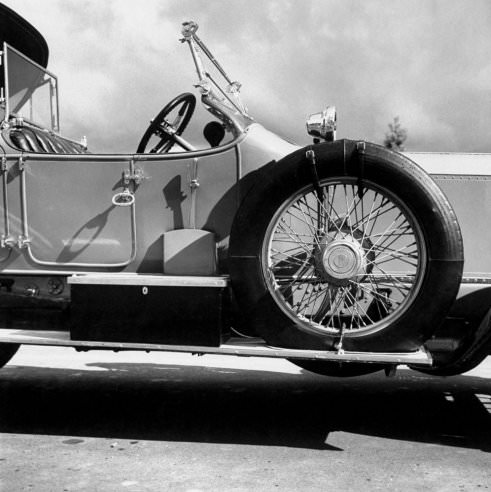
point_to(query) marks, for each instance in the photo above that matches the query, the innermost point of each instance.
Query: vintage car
(343, 256)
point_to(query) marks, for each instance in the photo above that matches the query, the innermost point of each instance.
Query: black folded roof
(17, 32)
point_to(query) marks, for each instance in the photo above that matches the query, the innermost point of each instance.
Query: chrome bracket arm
(206, 83)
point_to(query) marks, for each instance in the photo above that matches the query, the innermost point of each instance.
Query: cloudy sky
(426, 61)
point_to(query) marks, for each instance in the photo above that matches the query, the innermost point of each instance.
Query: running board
(252, 347)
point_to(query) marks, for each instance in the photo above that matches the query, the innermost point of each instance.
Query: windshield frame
(29, 98)
(224, 102)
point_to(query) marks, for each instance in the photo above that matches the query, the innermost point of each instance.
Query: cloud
(119, 61)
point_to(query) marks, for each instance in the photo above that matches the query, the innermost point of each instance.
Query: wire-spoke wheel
(344, 257)
(362, 253)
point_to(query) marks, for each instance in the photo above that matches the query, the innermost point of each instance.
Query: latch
(124, 198)
(194, 185)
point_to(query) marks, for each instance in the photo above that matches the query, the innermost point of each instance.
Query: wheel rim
(344, 259)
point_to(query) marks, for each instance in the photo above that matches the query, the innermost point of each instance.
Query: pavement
(103, 421)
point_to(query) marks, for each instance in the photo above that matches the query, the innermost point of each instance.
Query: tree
(395, 138)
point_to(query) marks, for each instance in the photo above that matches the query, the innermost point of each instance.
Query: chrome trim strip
(148, 280)
(128, 157)
(478, 279)
(235, 346)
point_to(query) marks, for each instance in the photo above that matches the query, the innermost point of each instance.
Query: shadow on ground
(205, 404)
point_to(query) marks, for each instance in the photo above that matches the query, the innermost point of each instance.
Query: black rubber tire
(7, 351)
(337, 369)
(279, 181)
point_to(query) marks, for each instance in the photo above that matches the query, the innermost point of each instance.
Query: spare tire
(353, 246)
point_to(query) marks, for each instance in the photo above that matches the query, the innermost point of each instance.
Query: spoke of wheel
(381, 237)
(314, 219)
(365, 218)
(299, 304)
(320, 294)
(348, 210)
(356, 200)
(403, 257)
(283, 278)
(309, 303)
(302, 300)
(384, 299)
(320, 208)
(374, 293)
(355, 207)
(309, 221)
(304, 220)
(396, 255)
(294, 253)
(395, 233)
(295, 286)
(373, 217)
(293, 235)
(290, 251)
(330, 302)
(391, 280)
(382, 241)
(290, 260)
(335, 308)
(365, 230)
(381, 210)
(329, 213)
(354, 306)
(286, 241)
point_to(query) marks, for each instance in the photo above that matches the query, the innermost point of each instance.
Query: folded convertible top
(17, 32)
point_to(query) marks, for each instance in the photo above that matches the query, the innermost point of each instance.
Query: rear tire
(7, 351)
(368, 258)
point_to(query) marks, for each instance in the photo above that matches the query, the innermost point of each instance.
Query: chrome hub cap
(341, 260)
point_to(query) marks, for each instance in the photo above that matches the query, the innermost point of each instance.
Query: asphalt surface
(100, 421)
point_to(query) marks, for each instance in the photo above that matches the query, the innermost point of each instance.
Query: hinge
(137, 176)
(7, 241)
(23, 242)
(22, 163)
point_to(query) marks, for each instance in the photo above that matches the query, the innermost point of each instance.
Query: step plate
(253, 347)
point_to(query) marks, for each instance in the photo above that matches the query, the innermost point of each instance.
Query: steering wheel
(169, 133)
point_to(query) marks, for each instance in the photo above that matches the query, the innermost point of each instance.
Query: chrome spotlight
(323, 125)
